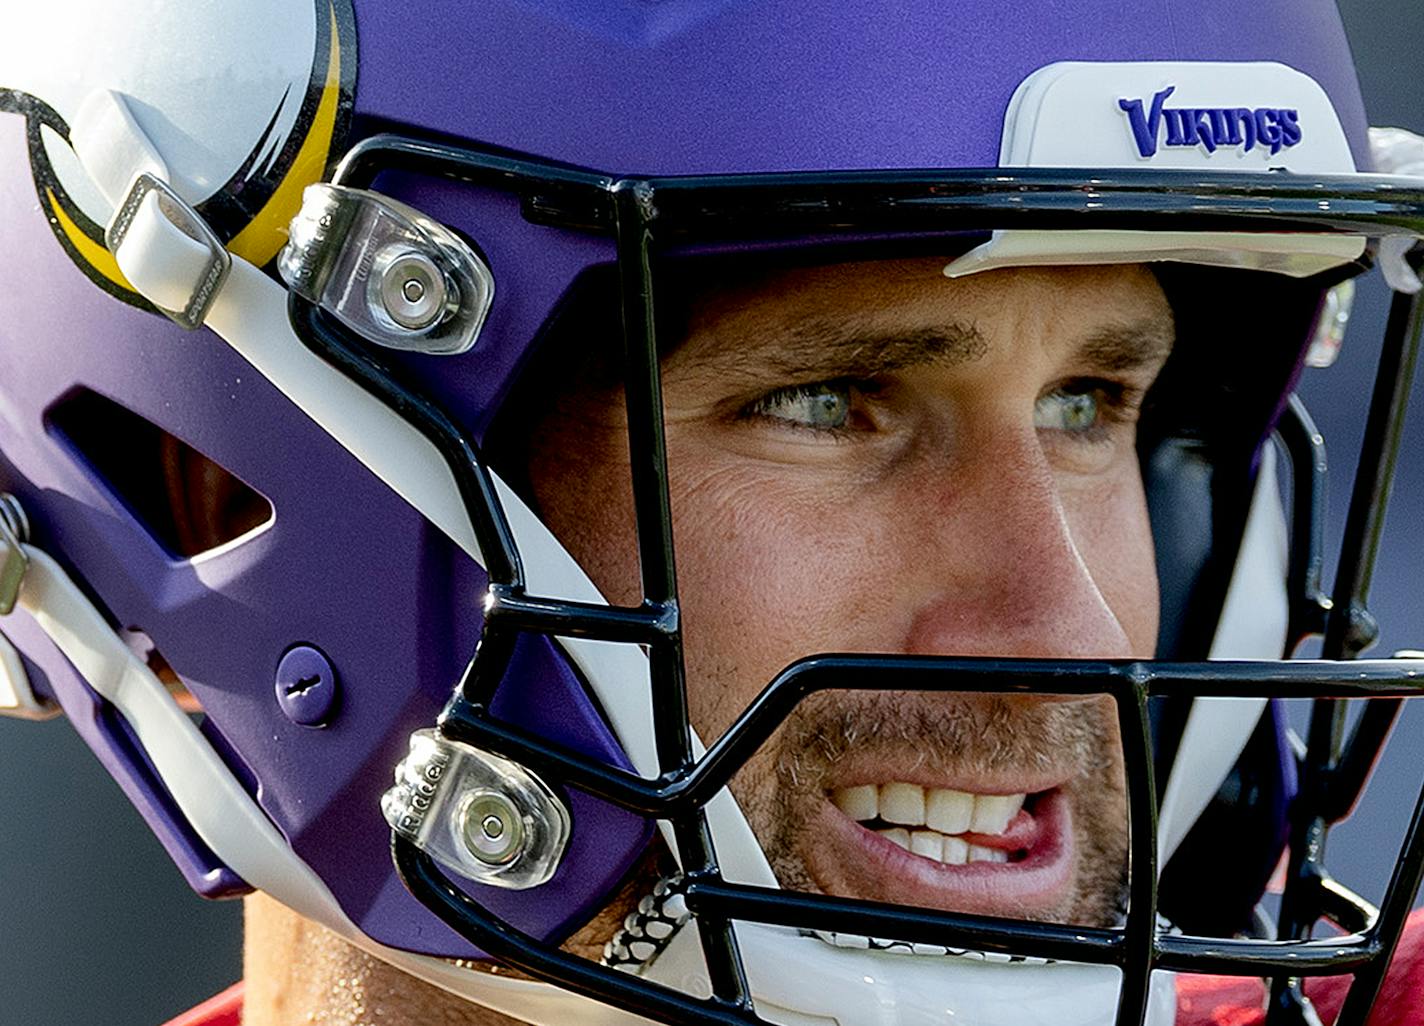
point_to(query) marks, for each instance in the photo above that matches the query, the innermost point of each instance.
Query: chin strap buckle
(163, 246)
(167, 251)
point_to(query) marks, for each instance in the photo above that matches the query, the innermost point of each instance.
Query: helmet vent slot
(189, 503)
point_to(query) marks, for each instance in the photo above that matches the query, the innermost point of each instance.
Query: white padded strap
(17, 698)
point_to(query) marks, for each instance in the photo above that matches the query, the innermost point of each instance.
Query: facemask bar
(1309, 606)
(704, 209)
(1330, 786)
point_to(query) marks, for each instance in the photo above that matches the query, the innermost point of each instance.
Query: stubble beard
(781, 787)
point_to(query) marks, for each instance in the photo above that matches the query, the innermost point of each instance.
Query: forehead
(799, 311)
(913, 285)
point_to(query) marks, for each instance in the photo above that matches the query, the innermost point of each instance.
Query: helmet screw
(306, 686)
(413, 290)
(494, 828)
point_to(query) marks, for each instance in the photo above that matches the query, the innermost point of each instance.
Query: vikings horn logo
(246, 102)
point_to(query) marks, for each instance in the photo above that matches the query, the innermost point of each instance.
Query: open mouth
(944, 825)
(946, 848)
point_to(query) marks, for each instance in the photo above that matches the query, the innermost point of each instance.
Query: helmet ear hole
(186, 501)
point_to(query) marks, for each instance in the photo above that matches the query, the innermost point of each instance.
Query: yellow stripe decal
(94, 254)
(267, 232)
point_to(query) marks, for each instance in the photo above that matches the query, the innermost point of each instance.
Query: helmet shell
(680, 87)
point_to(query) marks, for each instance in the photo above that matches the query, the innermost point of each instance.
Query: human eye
(1086, 409)
(1064, 410)
(826, 406)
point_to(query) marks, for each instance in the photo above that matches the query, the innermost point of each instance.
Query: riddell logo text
(1210, 127)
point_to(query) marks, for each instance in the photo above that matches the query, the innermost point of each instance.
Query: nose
(1002, 568)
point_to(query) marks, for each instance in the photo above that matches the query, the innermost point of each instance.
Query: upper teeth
(940, 808)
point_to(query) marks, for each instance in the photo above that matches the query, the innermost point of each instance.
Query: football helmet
(307, 254)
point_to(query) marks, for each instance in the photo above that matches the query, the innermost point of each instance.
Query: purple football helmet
(314, 256)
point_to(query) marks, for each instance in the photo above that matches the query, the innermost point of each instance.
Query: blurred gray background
(97, 926)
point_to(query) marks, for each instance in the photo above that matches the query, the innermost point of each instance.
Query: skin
(829, 430)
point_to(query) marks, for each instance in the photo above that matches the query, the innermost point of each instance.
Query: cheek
(1112, 533)
(771, 570)
(582, 486)
(767, 574)
(767, 567)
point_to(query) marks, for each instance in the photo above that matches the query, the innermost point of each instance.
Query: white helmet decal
(282, 71)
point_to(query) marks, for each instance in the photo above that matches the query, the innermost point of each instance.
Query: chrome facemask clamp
(394, 276)
(488, 819)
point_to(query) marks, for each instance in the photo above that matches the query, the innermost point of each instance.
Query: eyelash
(855, 388)
(1118, 403)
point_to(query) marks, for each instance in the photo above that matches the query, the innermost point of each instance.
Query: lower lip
(852, 861)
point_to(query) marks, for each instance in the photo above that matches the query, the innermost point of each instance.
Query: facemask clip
(389, 273)
(486, 818)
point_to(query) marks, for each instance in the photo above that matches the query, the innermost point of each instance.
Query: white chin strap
(804, 981)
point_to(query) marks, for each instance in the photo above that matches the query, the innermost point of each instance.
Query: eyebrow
(815, 348)
(819, 349)
(1126, 347)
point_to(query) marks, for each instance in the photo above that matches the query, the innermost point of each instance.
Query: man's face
(873, 458)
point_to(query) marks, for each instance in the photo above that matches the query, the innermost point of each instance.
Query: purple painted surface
(533, 267)
(1290, 782)
(677, 87)
(306, 686)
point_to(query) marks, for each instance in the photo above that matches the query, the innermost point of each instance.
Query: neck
(298, 972)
